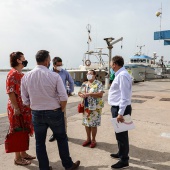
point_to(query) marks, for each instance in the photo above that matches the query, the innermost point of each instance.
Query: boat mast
(159, 14)
(88, 27)
(160, 17)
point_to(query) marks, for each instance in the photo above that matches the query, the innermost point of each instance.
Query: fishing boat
(143, 67)
(91, 61)
(140, 68)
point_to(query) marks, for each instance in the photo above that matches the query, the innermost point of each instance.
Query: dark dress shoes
(52, 138)
(120, 165)
(75, 166)
(114, 156)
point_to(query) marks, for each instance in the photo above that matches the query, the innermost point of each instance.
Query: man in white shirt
(119, 98)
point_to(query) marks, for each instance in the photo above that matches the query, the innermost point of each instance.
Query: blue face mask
(111, 70)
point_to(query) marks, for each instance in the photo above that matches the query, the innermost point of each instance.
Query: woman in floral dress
(15, 106)
(92, 92)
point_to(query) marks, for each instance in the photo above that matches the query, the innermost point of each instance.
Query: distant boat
(140, 68)
(93, 60)
(99, 65)
(143, 67)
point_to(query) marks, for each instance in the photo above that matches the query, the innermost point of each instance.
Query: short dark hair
(118, 60)
(41, 56)
(94, 73)
(56, 59)
(13, 58)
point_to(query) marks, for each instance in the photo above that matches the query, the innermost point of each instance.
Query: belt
(115, 106)
(57, 109)
(118, 106)
(48, 110)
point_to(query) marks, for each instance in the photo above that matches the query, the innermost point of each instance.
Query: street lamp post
(108, 41)
(110, 46)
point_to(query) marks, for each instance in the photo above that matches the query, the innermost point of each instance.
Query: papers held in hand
(126, 125)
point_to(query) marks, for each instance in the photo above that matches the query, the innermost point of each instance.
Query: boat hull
(141, 73)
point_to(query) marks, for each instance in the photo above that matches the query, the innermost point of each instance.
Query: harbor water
(3, 95)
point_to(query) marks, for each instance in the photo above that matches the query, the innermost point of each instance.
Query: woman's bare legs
(19, 160)
(26, 156)
(94, 132)
(23, 153)
(17, 155)
(88, 131)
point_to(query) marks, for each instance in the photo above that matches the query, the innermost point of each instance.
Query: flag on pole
(89, 39)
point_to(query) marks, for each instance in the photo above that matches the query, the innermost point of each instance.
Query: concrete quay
(149, 141)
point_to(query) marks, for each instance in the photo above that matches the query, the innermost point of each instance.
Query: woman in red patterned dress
(15, 106)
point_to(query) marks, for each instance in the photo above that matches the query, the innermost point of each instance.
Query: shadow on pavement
(55, 165)
(58, 166)
(93, 167)
(143, 157)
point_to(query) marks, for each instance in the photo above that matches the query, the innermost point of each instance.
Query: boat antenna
(159, 14)
(88, 27)
(140, 49)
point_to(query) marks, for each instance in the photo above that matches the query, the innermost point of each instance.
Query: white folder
(126, 125)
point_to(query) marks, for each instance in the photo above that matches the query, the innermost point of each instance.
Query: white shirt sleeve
(125, 88)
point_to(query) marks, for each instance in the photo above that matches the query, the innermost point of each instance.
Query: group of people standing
(41, 95)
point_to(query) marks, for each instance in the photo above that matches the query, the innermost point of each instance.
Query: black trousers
(122, 138)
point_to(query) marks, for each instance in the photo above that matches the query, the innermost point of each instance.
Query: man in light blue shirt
(119, 98)
(64, 74)
(68, 83)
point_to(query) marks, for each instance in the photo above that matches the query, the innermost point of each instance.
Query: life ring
(87, 62)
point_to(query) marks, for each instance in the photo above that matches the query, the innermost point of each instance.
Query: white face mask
(89, 77)
(59, 68)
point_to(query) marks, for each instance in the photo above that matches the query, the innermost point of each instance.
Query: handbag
(80, 108)
(17, 141)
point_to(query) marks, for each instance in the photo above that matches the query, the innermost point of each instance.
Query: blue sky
(59, 26)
